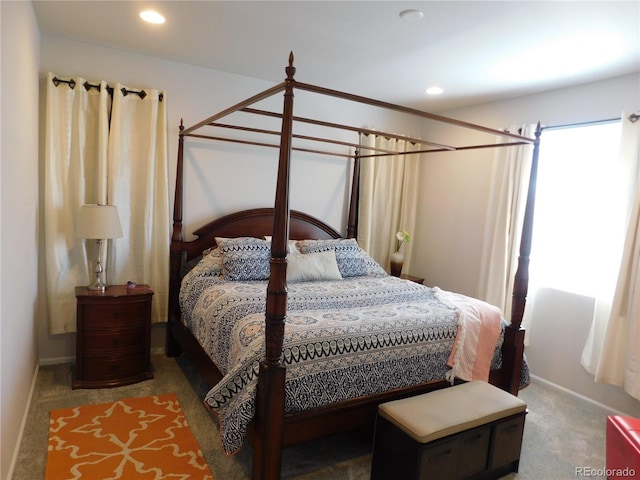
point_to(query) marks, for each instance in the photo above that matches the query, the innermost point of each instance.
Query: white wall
(454, 198)
(220, 177)
(19, 220)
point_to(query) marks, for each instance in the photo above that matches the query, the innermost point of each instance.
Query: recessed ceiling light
(411, 15)
(434, 91)
(152, 17)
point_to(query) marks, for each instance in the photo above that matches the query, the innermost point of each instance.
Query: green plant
(403, 237)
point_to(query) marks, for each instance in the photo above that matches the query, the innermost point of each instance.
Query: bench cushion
(444, 412)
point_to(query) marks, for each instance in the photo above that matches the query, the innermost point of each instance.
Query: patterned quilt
(343, 339)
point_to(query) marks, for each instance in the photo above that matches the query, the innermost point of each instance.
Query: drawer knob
(116, 314)
(116, 342)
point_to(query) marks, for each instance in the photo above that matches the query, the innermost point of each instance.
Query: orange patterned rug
(133, 438)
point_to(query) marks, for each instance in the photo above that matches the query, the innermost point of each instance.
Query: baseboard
(56, 360)
(23, 424)
(60, 360)
(555, 386)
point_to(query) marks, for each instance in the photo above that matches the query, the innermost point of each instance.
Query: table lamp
(98, 222)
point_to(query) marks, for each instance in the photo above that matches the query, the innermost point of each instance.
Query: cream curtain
(388, 198)
(87, 160)
(505, 215)
(612, 351)
(138, 184)
(76, 132)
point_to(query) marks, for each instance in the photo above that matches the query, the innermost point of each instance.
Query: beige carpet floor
(562, 434)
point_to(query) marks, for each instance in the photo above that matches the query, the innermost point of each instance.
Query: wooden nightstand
(406, 276)
(113, 336)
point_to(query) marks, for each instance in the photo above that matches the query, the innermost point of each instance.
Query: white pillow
(312, 267)
(350, 257)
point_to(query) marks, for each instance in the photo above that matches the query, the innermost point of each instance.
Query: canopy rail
(277, 133)
(339, 126)
(238, 106)
(302, 137)
(457, 149)
(270, 145)
(383, 152)
(408, 110)
(438, 147)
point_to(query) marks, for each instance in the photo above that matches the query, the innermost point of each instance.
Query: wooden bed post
(513, 350)
(352, 221)
(270, 397)
(176, 254)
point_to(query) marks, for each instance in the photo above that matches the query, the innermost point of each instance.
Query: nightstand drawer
(110, 316)
(103, 342)
(115, 367)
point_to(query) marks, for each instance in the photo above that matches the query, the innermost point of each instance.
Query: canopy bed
(246, 257)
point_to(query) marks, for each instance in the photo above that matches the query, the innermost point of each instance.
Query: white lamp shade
(98, 222)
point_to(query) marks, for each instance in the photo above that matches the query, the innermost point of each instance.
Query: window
(579, 219)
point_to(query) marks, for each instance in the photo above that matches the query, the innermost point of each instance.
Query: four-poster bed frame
(271, 429)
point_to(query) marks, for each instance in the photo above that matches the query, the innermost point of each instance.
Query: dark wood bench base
(486, 452)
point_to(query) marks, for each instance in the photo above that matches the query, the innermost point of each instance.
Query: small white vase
(396, 261)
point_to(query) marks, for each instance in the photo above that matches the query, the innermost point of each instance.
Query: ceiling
(477, 51)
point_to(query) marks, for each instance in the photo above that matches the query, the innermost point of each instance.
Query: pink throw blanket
(479, 326)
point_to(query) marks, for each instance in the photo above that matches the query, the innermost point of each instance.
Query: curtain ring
(57, 81)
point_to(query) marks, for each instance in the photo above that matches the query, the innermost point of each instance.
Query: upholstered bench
(623, 447)
(471, 430)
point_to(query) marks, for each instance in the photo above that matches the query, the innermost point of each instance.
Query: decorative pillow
(351, 259)
(373, 267)
(312, 267)
(244, 258)
(208, 264)
(211, 263)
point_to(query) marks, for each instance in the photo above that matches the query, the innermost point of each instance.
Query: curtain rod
(88, 86)
(634, 117)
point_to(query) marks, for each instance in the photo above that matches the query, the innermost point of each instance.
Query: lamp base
(97, 286)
